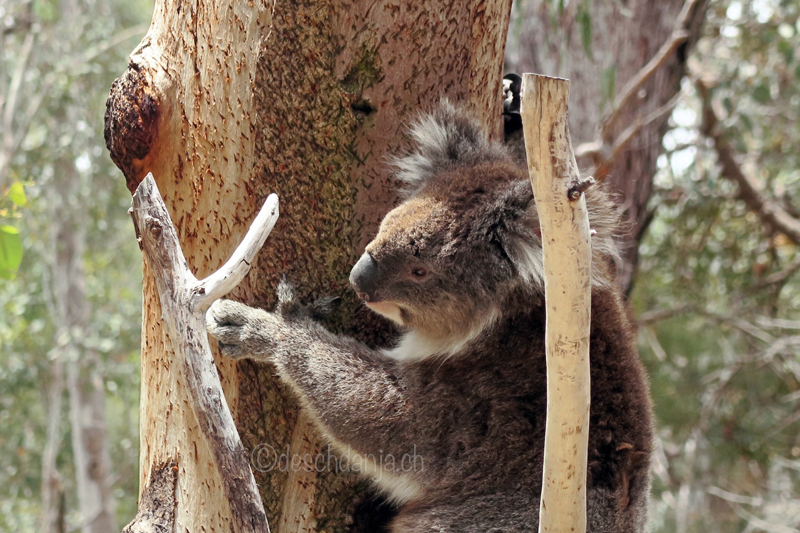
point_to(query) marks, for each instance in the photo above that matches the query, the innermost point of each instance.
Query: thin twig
(658, 315)
(740, 324)
(734, 498)
(601, 153)
(779, 277)
(650, 317)
(10, 106)
(779, 323)
(133, 31)
(234, 270)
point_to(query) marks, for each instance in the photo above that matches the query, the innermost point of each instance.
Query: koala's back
(481, 422)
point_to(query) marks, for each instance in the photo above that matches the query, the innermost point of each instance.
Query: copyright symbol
(263, 458)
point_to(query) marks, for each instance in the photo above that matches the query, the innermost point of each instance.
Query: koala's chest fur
(479, 415)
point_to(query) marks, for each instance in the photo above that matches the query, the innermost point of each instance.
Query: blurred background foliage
(717, 292)
(63, 67)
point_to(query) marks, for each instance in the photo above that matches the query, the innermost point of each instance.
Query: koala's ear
(518, 234)
(443, 140)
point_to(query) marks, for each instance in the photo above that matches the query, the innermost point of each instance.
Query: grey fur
(445, 139)
(456, 265)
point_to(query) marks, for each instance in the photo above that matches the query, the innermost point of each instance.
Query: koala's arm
(354, 391)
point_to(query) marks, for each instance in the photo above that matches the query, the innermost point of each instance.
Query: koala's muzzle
(364, 277)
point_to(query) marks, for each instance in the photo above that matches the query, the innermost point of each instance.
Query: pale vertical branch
(9, 106)
(564, 221)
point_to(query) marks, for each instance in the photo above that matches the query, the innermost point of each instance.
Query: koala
(457, 266)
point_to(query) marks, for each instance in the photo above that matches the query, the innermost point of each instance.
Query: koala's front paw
(242, 331)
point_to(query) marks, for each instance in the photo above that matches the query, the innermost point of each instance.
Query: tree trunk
(225, 103)
(51, 518)
(97, 511)
(90, 445)
(625, 35)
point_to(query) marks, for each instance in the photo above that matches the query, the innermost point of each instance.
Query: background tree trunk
(227, 102)
(83, 382)
(51, 518)
(624, 36)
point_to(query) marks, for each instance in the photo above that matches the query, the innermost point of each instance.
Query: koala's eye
(419, 273)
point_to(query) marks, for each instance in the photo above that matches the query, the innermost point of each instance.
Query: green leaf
(787, 50)
(761, 93)
(607, 82)
(17, 194)
(585, 20)
(10, 251)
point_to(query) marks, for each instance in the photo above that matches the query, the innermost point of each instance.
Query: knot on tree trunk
(130, 123)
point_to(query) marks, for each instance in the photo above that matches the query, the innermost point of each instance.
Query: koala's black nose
(364, 277)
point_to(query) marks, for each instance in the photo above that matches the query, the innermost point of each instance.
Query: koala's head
(465, 238)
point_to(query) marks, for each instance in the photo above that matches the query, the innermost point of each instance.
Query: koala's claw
(322, 307)
(290, 307)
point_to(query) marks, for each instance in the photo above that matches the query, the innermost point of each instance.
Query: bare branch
(770, 211)
(779, 323)
(779, 277)
(763, 524)
(781, 345)
(658, 315)
(740, 324)
(10, 105)
(184, 324)
(734, 498)
(603, 154)
(679, 35)
(751, 329)
(234, 270)
(119, 37)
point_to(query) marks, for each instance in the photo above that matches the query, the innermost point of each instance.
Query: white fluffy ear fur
(442, 140)
(528, 260)
(525, 250)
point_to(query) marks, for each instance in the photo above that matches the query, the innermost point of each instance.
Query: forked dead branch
(184, 301)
